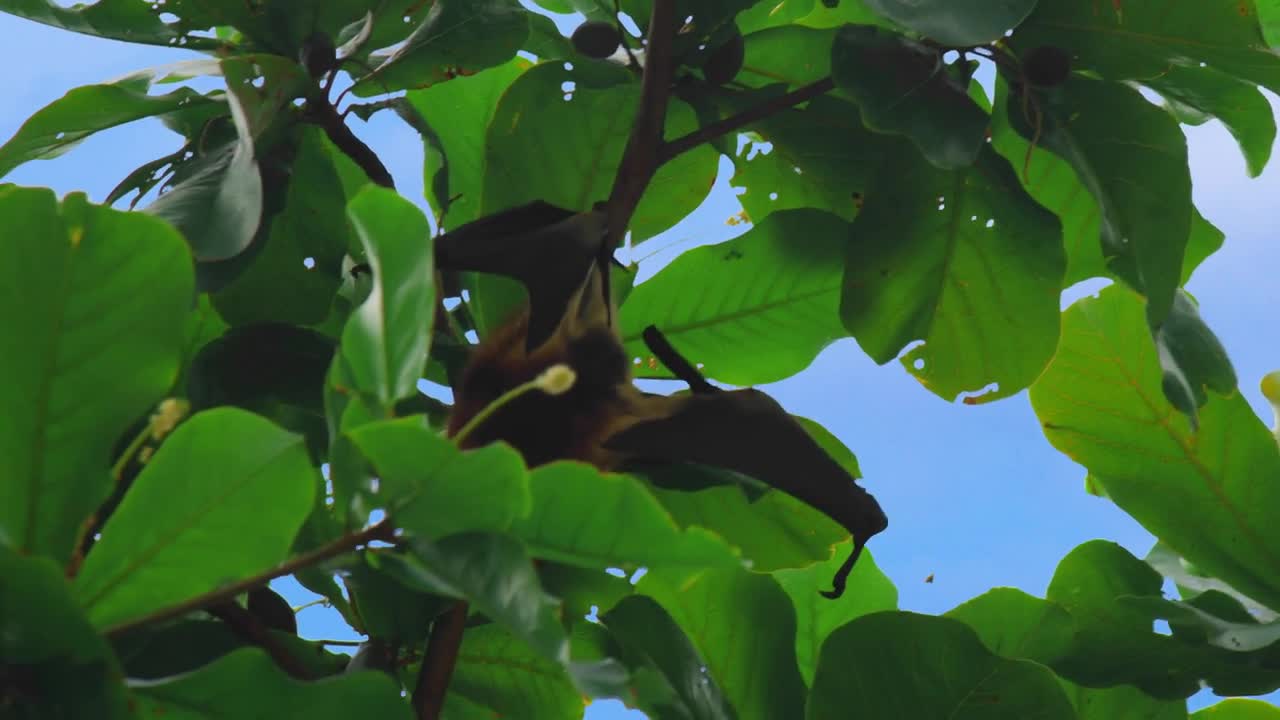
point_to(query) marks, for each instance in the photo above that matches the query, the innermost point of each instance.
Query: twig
(249, 628)
(675, 362)
(380, 531)
(321, 113)
(688, 142)
(438, 662)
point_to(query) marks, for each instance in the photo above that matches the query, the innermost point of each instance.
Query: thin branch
(250, 629)
(640, 159)
(380, 531)
(438, 662)
(751, 115)
(321, 113)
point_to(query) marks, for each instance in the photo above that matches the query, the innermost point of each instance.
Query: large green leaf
(55, 664)
(964, 260)
(92, 304)
(129, 20)
(952, 674)
(1140, 39)
(807, 13)
(1122, 702)
(385, 341)
(902, 87)
(83, 111)
(297, 272)
(869, 591)
(819, 157)
(959, 23)
(458, 114)
(1054, 184)
(1132, 156)
(248, 684)
(647, 633)
(467, 35)
(775, 289)
(563, 146)
(744, 628)
(1243, 110)
(1192, 581)
(499, 675)
(1207, 495)
(433, 489)
(792, 54)
(221, 500)
(1239, 709)
(586, 518)
(1191, 358)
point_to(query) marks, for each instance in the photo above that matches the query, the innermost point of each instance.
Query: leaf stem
(438, 661)
(380, 531)
(683, 144)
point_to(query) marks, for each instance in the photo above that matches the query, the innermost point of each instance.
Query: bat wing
(548, 249)
(748, 432)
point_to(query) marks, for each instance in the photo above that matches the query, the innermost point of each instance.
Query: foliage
(221, 388)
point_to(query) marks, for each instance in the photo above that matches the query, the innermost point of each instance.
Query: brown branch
(250, 629)
(381, 531)
(438, 662)
(321, 113)
(640, 159)
(751, 115)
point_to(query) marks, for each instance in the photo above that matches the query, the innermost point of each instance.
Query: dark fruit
(725, 61)
(1047, 66)
(318, 55)
(596, 39)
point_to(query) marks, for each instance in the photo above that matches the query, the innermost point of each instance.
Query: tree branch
(320, 112)
(751, 115)
(438, 662)
(380, 531)
(640, 159)
(250, 629)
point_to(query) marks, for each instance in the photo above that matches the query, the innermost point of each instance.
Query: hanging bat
(604, 419)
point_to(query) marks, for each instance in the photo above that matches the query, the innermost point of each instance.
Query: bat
(603, 419)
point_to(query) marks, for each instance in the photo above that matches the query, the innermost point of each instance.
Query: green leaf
(646, 630)
(1132, 156)
(1241, 633)
(499, 675)
(221, 500)
(541, 146)
(247, 683)
(1239, 709)
(582, 590)
(1191, 582)
(433, 489)
(1141, 39)
(83, 111)
(188, 645)
(456, 35)
(392, 611)
(96, 298)
(1192, 358)
(385, 341)
(869, 590)
(1122, 702)
(744, 628)
(296, 274)
(1243, 110)
(495, 575)
(792, 54)
(819, 157)
(567, 524)
(126, 20)
(832, 445)
(766, 290)
(952, 674)
(55, 664)
(1207, 494)
(458, 113)
(964, 260)
(958, 23)
(1013, 624)
(772, 531)
(901, 87)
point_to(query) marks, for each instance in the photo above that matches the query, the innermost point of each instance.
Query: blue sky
(976, 496)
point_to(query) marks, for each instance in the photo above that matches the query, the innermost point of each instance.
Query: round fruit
(725, 61)
(596, 39)
(1047, 66)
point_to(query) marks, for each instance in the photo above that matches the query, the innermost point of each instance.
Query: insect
(603, 418)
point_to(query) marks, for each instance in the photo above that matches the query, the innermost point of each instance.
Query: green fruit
(596, 39)
(1047, 66)
(725, 61)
